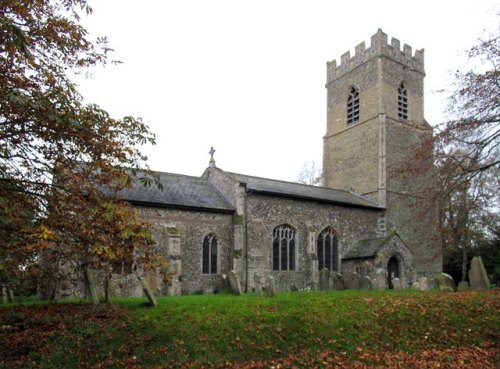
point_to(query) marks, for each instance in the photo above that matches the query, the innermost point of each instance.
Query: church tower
(375, 120)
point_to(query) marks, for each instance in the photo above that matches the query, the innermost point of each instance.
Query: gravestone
(225, 282)
(445, 282)
(234, 282)
(270, 289)
(366, 283)
(324, 279)
(337, 281)
(463, 286)
(478, 278)
(148, 292)
(208, 291)
(397, 284)
(258, 284)
(352, 281)
(294, 288)
(423, 284)
(379, 280)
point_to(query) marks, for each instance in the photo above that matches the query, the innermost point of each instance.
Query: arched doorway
(392, 271)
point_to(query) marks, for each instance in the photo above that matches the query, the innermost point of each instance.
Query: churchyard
(303, 329)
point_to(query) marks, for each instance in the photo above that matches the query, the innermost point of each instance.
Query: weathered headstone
(478, 278)
(366, 283)
(397, 284)
(423, 284)
(225, 282)
(234, 282)
(337, 281)
(258, 284)
(270, 288)
(294, 288)
(208, 291)
(445, 282)
(324, 279)
(463, 286)
(352, 281)
(91, 285)
(379, 280)
(148, 292)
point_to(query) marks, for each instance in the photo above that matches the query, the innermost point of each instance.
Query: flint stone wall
(308, 218)
(192, 227)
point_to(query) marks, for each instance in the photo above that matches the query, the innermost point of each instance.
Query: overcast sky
(248, 77)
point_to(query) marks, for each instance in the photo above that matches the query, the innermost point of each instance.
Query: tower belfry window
(353, 106)
(402, 102)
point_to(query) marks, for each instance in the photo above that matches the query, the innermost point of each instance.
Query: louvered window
(402, 102)
(353, 106)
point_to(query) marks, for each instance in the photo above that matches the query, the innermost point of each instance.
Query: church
(365, 220)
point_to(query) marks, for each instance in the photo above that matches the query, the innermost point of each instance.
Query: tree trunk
(91, 285)
(5, 298)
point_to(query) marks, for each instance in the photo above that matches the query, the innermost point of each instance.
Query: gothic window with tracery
(402, 102)
(210, 254)
(327, 250)
(284, 248)
(353, 106)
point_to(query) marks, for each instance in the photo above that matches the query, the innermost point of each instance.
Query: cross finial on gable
(212, 161)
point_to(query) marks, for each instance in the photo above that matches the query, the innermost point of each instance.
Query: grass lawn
(345, 329)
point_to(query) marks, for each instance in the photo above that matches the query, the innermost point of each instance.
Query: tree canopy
(57, 153)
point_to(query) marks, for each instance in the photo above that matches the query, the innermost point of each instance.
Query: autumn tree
(61, 159)
(466, 154)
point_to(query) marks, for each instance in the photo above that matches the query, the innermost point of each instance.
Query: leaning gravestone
(234, 282)
(148, 292)
(366, 283)
(445, 282)
(463, 286)
(324, 279)
(270, 288)
(352, 281)
(397, 284)
(337, 281)
(477, 275)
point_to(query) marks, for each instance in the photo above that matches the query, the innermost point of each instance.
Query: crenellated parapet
(379, 48)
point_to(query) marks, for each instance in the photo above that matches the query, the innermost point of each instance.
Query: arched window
(353, 106)
(209, 254)
(284, 248)
(402, 102)
(328, 250)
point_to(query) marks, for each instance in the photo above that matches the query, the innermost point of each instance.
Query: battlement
(379, 47)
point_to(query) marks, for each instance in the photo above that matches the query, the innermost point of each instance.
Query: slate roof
(298, 190)
(367, 249)
(179, 191)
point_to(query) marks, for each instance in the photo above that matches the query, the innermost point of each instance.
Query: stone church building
(366, 219)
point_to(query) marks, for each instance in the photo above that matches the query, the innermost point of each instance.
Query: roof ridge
(290, 182)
